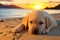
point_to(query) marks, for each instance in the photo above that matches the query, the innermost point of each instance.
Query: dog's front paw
(45, 31)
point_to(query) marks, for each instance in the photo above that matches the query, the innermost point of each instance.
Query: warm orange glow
(30, 4)
(41, 6)
(34, 6)
(37, 7)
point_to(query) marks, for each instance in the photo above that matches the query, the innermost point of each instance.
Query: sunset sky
(18, 2)
(26, 1)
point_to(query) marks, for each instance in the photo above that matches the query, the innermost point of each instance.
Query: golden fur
(37, 22)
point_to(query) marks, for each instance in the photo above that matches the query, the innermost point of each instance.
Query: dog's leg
(19, 28)
(47, 30)
(48, 26)
(52, 23)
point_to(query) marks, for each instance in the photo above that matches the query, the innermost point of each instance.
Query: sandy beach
(7, 25)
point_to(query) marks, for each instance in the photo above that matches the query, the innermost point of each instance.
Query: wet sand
(7, 25)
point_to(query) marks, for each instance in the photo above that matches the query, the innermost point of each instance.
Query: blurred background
(19, 8)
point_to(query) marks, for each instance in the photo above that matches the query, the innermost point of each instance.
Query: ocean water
(11, 13)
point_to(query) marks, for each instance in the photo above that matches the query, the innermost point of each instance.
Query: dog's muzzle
(35, 31)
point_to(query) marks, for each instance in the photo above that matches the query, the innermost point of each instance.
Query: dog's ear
(48, 23)
(25, 21)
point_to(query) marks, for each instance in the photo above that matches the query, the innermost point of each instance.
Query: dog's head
(35, 23)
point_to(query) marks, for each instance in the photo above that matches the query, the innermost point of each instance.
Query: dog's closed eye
(31, 22)
(40, 23)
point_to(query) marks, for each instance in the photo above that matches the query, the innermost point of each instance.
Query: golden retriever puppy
(37, 22)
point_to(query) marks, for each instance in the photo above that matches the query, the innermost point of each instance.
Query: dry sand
(7, 25)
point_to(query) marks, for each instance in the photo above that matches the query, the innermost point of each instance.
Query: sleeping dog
(37, 22)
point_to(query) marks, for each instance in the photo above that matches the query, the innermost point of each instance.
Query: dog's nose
(35, 31)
